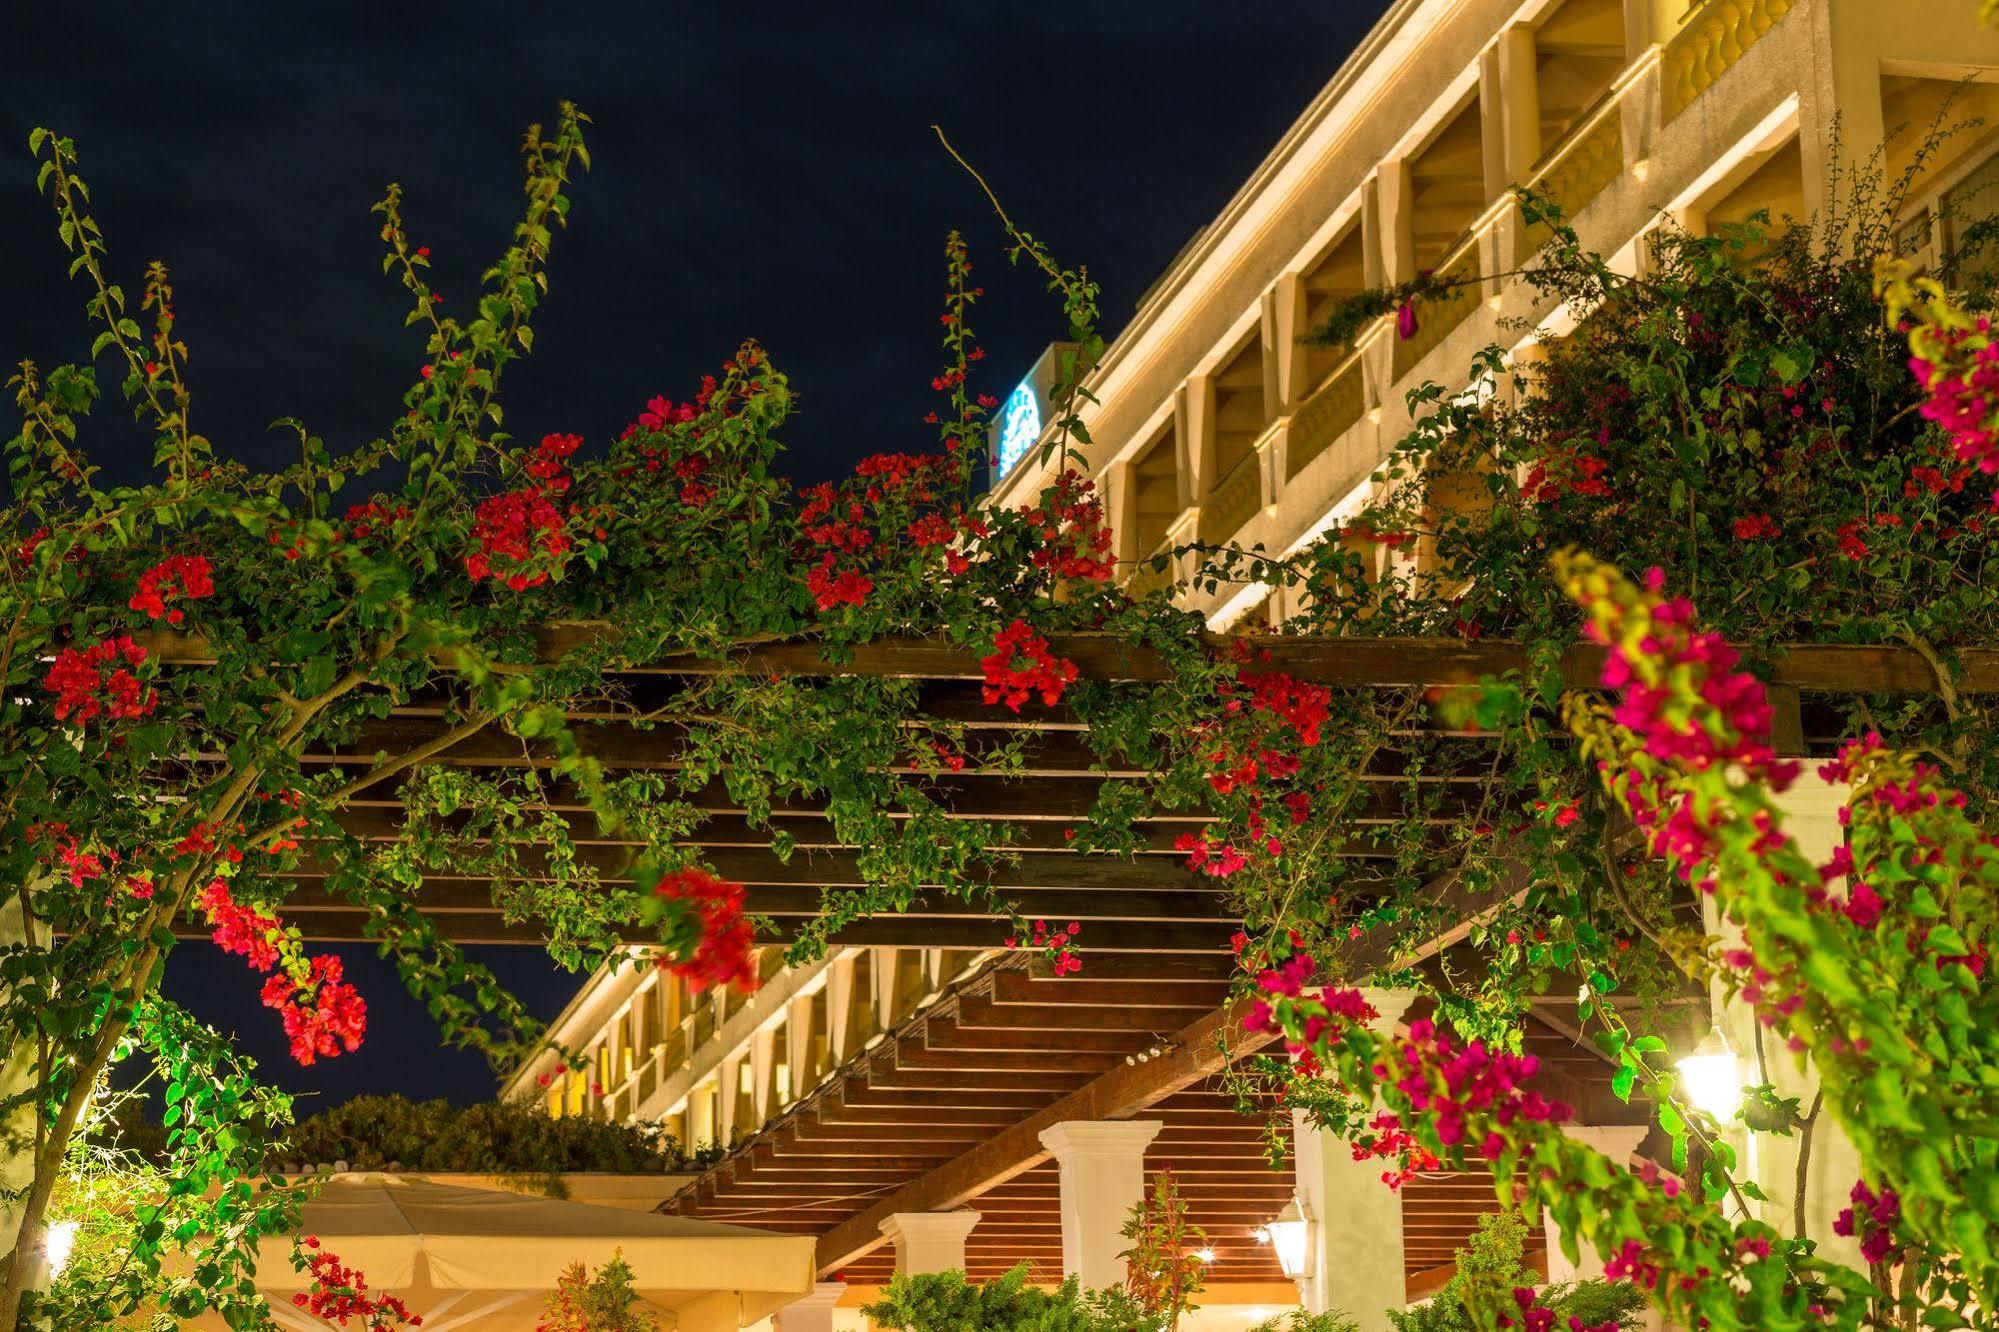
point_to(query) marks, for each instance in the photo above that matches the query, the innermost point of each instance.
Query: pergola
(947, 1110)
(1149, 904)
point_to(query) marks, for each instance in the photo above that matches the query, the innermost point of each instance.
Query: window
(1944, 231)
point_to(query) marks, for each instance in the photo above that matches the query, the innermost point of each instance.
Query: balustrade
(1708, 45)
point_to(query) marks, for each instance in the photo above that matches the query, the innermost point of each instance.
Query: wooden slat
(1359, 662)
(1197, 1051)
(760, 867)
(902, 931)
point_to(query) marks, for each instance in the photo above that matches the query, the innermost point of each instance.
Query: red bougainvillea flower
(340, 1294)
(242, 930)
(549, 463)
(831, 586)
(724, 954)
(322, 1013)
(1056, 944)
(172, 579)
(1218, 860)
(98, 681)
(1871, 1219)
(1074, 542)
(323, 1016)
(1302, 707)
(518, 538)
(1755, 527)
(1020, 665)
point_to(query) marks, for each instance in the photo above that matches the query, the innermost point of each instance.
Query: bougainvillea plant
(1872, 965)
(209, 682)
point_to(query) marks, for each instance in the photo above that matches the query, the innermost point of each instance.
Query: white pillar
(1102, 1165)
(1516, 118)
(840, 1007)
(798, 1060)
(1811, 816)
(1354, 1242)
(882, 975)
(728, 1089)
(811, 1313)
(929, 1241)
(1396, 234)
(763, 1075)
(1616, 1141)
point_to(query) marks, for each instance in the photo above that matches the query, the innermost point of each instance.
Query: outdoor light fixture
(1712, 1076)
(1205, 1255)
(1291, 1236)
(61, 1238)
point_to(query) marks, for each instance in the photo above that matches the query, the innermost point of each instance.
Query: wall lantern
(1291, 1236)
(1712, 1076)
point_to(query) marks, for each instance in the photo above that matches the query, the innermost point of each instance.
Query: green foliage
(166, 1231)
(1163, 1267)
(1490, 1268)
(494, 1137)
(1748, 427)
(948, 1302)
(604, 1302)
(1333, 1320)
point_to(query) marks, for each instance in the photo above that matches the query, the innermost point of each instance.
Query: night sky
(761, 171)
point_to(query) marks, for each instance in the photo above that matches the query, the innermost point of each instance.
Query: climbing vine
(363, 681)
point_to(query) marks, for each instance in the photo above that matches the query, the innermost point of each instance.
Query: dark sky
(762, 171)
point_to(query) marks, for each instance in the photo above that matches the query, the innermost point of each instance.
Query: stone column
(882, 963)
(1616, 1141)
(1519, 114)
(1200, 438)
(1354, 1242)
(1102, 1165)
(1811, 816)
(1395, 202)
(929, 1241)
(840, 1008)
(811, 1313)
(800, 1058)
(1286, 368)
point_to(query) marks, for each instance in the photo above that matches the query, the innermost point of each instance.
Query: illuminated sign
(1020, 427)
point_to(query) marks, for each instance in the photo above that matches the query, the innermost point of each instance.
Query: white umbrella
(482, 1259)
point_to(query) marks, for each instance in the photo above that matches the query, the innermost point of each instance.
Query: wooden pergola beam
(1195, 1052)
(344, 924)
(1347, 661)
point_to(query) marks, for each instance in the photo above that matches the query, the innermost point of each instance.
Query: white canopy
(485, 1259)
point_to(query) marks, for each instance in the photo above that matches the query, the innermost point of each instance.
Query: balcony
(1234, 501)
(1710, 43)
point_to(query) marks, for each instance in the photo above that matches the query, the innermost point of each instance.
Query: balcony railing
(1579, 167)
(1145, 579)
(1330, 412)
(1234, 502)
(1711, 42)
(1440, 314)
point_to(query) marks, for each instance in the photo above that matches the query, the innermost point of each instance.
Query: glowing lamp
(1290, 1235)
(1712, 1076)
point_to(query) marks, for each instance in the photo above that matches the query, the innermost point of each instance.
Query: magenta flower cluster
(1962, 396)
